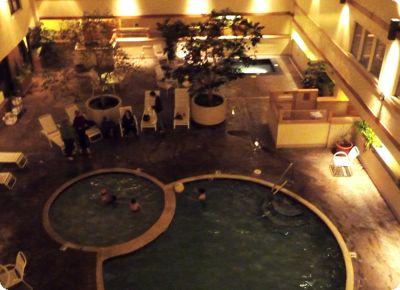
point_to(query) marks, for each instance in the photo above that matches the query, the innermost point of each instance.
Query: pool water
(228, 244)
(259, 66)
(78, 216)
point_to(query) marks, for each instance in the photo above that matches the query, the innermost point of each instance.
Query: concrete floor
(353, 204)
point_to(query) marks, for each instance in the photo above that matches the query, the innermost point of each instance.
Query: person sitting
(108, 127)
(128, 123)
(106, 197)
(134, 205)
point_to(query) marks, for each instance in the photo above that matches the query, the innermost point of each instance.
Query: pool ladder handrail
(282, 181)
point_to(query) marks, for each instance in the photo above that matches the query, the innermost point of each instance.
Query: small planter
(208, 116)
(344, 146)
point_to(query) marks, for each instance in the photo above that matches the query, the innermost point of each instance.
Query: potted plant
(369, 135)
(90, 38)
(315, 76)
(344, 144)
(172, 32)
(211, 60)
(43, 46)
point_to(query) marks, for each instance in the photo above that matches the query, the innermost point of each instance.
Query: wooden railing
(299, 116)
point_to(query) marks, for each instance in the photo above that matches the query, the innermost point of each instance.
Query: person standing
(80, 125)
(68, 136)
(158, 107)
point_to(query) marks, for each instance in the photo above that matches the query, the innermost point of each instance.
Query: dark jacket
(67, 132)
(158, 105)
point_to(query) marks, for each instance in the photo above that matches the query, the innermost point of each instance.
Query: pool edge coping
(102, 256)
(329, 223)
(107, 252)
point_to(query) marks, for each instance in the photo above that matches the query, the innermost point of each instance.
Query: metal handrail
(282, 181)
(278, 188)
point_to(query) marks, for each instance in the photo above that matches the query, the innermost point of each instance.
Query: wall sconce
(393, 28)
(342, 1)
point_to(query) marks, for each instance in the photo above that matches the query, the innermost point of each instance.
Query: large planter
(102, 106)
(208, 116)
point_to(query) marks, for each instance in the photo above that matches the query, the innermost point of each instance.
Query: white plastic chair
(50, 130)
(8, 180)
(148, 110)
(13, 274)
(342, 162)
(122, 111)
(182, 108)
(14, 157)
(93, 133)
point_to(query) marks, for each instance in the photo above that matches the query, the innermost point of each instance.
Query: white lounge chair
(122, 111)
(148, 110)
(342, 162)
(13, 274)
(14, 157)
(50, 131)
(93, 132)
(182, 108)
(7, 179)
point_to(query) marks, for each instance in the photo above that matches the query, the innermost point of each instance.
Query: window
(378, 58)
(15, 5)
(368, 50)
(357, 38)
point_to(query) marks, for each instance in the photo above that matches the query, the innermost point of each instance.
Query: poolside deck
(353, 204)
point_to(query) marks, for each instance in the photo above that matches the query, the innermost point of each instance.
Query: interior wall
(65, 8)
(13, 27)
(363, 90)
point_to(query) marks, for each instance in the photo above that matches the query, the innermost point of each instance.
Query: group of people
(107, 198)
(76, 132)
(128, 122)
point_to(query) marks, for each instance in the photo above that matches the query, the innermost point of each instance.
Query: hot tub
(102, 106)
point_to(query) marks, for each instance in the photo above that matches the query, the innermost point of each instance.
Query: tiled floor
(353, 204)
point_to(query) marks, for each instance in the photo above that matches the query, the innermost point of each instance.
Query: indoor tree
(92, 36)
(316, 77)
(211, 54)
